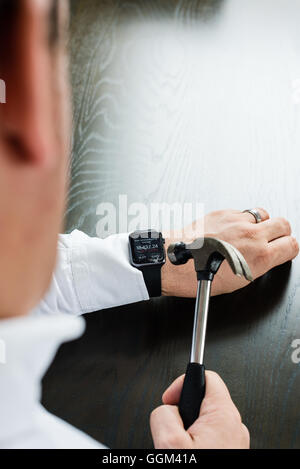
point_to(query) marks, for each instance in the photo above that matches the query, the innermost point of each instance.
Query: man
(34, 137)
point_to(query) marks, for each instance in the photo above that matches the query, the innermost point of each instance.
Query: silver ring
(255, 213)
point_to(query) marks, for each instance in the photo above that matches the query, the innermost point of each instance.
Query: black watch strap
(152, 278)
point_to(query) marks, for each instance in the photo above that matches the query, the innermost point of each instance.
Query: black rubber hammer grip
(192, 394)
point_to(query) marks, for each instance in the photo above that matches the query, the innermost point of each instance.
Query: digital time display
(147, 250)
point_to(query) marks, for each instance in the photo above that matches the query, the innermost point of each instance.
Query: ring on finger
(255, 213)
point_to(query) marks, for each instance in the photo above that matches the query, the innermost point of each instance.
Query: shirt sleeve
(92, 274)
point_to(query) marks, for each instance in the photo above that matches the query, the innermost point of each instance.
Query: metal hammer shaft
(200, 321)
(193, 390)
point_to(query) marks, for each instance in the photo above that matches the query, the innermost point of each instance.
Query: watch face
(146, 250)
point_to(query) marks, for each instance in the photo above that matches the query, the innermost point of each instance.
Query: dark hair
(8, 14)
(9, 11)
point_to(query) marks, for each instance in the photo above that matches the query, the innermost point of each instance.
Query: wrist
(147, 254)
(178, 280)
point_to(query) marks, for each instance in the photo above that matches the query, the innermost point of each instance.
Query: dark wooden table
(185, 101)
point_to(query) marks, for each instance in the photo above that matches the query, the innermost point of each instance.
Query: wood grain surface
(185, 101)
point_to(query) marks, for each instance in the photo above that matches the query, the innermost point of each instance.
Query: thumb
(167, 429)
(172, 393)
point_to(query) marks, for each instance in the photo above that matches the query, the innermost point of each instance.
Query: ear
(25, 118)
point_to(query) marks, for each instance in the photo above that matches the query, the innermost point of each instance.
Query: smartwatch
(147, 253)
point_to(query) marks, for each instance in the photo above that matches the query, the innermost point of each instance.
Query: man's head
(34, 140)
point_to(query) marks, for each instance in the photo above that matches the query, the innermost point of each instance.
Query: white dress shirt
(91, 274)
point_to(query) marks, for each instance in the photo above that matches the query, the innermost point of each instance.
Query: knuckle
(245, 436)
(233, 417)
(263, 254)
(237, 415)
(263, 212)
(155, 413)
(214, 378)
(213, 374)
(295, 243)
(248, 231)
(285, 224)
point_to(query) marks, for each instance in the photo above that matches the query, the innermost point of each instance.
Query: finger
(172, 394)
(282, 250)
(275, 228)
(251, 218)
(216, 392)
(246, 435)
(217, 403)
(167, 428)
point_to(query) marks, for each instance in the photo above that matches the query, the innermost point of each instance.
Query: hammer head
(208, 255)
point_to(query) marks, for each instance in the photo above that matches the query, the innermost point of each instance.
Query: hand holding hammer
(208, 255)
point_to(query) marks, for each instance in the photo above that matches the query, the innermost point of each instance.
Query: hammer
(208, 255)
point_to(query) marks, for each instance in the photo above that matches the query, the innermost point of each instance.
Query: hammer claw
(246, 272)
(203, 249)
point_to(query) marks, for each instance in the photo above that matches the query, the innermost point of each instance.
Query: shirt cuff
(102, 274)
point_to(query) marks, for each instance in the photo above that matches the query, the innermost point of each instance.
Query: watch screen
(147, 251)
